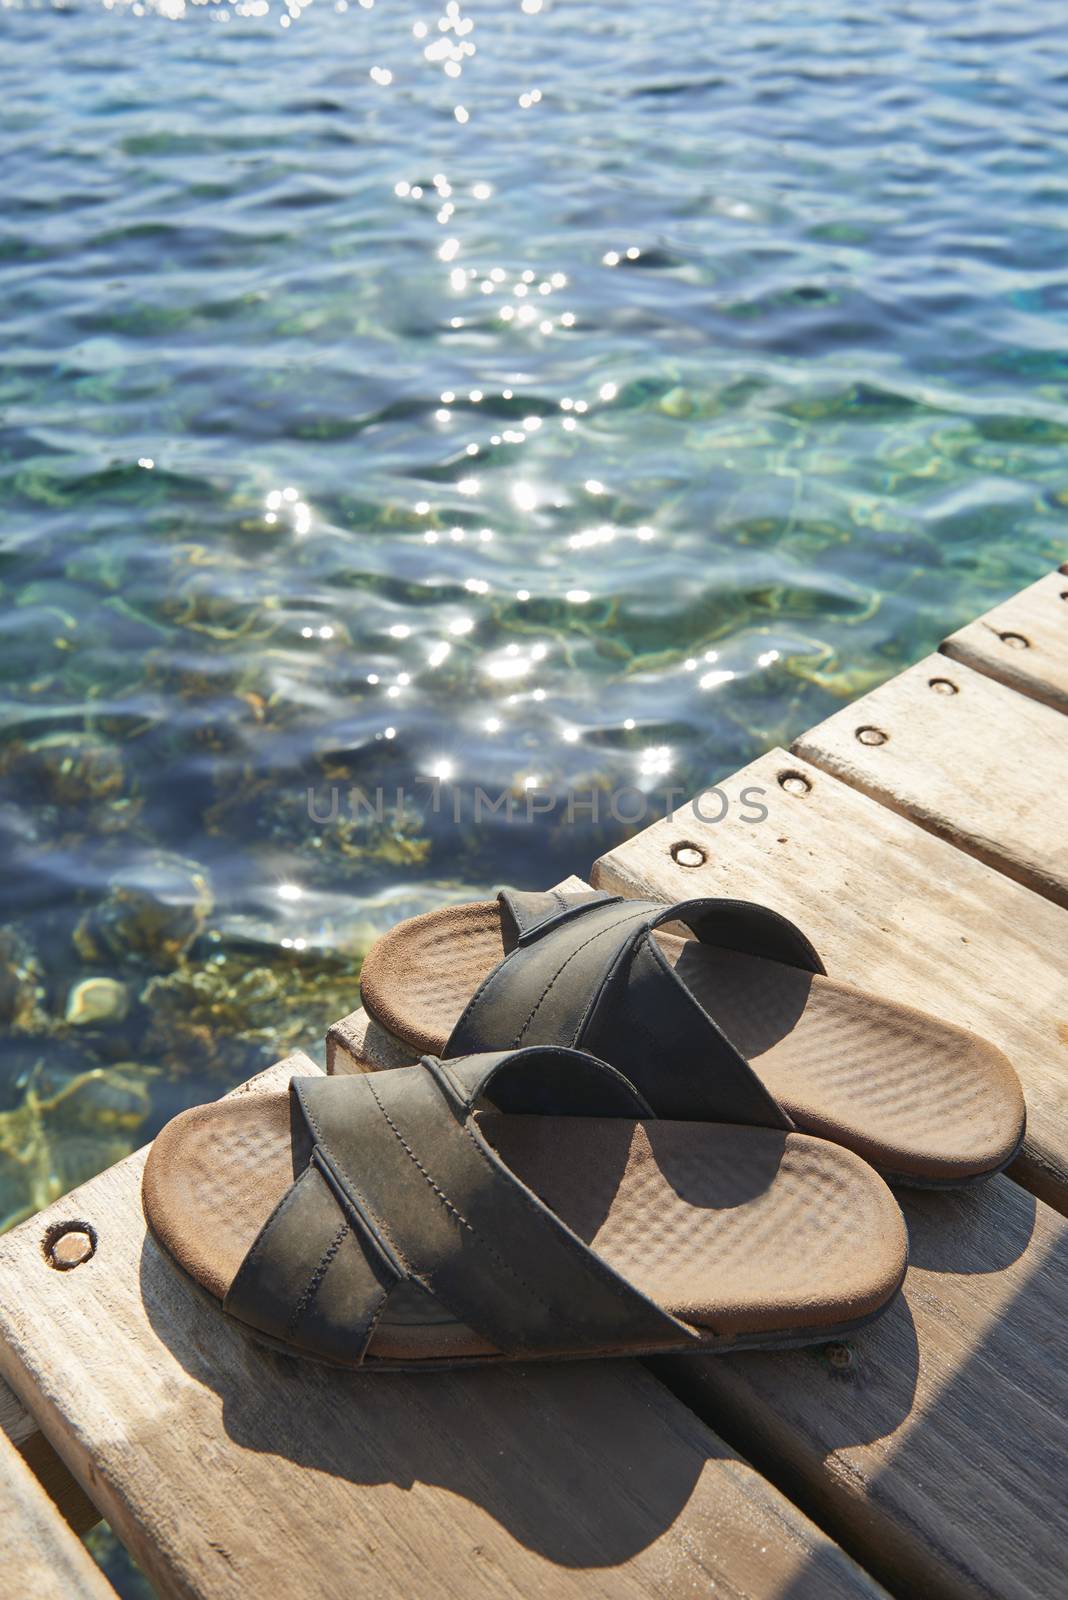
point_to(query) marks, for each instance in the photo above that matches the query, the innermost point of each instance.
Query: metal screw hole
(67, 1245)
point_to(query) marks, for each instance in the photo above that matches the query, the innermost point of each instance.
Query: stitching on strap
(577, 951)
(443, 1197)
(383, 1232)
(312, 1287)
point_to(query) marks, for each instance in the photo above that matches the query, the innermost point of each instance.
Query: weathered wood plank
(934, 1446)
(1022, 643)
(358, 1037)
(231, 1472)
(39, 1554)
(892, 909)
(964, 757)
(930, 1446)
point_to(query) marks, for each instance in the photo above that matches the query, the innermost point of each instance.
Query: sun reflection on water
(522, 302)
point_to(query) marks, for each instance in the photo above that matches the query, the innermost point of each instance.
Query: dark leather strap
(401, 1185)
(585, 971)
(312, 1280)
(524, 911)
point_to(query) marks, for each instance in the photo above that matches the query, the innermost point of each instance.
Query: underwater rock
(677, 402)
(153, 911)
(396, 839)
(233, 1015)
(63, 769)
(96, 1000)
(70, 781)
(222, 1017)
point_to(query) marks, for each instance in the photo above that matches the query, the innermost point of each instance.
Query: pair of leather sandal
(618, 1141)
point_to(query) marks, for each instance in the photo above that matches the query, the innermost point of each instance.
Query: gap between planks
(17, 1426)
(1038, 668)
(963, 757)
(892, 909)
(229, 1471)
(1022, 643)
(933, 1451)
(40, 1557)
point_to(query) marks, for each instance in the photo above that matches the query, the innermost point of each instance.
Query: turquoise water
(560, 398)
(553, 397)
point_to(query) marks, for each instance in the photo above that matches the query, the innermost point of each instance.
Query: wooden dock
(918, 837)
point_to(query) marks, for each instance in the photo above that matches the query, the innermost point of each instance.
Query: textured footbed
(737, 1230)
(916, 1096)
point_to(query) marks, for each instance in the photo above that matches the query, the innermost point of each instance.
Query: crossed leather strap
(397, 1185)
(584, 970)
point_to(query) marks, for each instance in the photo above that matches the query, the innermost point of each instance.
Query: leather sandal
(515, 1206)
(738, 1024)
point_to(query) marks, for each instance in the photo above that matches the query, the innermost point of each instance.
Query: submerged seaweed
(57, 1135)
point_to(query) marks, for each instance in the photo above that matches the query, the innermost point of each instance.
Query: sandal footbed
(745, 1232)
(919, 1098)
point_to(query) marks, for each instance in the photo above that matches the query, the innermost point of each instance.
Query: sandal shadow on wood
(515, 1206)
(739, 1023)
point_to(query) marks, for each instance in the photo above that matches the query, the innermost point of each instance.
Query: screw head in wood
(687, 854)
(1015, 641)
(68, 1245)
(839, 1355)
(794, 782)
(872, 736)
(943, 686)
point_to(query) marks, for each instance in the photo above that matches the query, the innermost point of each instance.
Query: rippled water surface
(563, 395)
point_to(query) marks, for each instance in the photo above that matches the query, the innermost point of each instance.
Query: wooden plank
(358, 1037)
(39, 1554)
(1022, 643)
(932, 1446)
(964, 757)
(231, 1472)
(892, 909)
